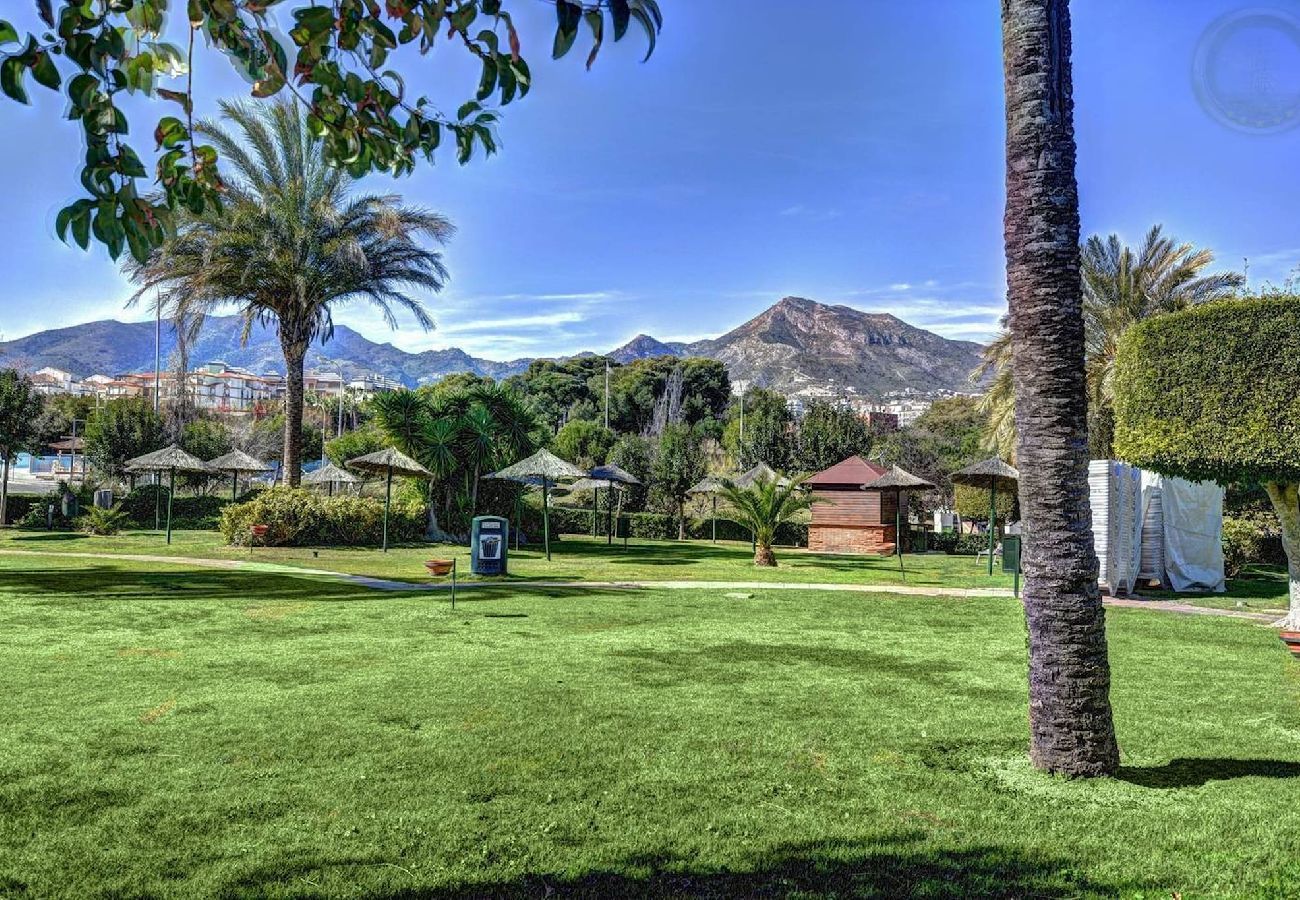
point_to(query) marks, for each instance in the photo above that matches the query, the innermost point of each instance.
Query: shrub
(202, 513)
(100, 521)
(972, 504)
(301, 518)
(1243, 541)
(1208, 394)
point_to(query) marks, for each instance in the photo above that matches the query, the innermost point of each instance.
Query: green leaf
(567, 15)
(11, 79)
(596, 21)
(45, 72)
(622, 16)
(650, 30)
(8, 34)
(488, 83)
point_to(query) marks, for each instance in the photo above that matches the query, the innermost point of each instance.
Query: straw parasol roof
(390, 462)
(169, 459)
(760, 472)
(898, 479)
(238, 461)
(595, 484)
(989, 473)
(542, 464)
(612, 472)
(709, 484)
(330, 474)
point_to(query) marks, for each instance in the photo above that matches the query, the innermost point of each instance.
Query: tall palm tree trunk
(295, 352)
(1071, 727)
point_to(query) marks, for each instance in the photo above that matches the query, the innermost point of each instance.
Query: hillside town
(214, 387)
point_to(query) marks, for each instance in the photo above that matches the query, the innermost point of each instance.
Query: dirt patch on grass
(274, 612)
(158, 712)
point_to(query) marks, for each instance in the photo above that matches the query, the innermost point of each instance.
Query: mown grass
(200, 732)
(574, 558)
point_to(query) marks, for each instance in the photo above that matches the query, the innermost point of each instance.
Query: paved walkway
(381, 584)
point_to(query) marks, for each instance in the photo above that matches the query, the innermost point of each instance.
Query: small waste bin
(104, 499)
(1011, 553)
(488, 545)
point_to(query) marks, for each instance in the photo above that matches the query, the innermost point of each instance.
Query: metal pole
(595, 504)
(546, 519)
(714, 518)
(609, 514)
(157, 356)
(898, 531)
(388, 499)
(171, 492)
(993, 512)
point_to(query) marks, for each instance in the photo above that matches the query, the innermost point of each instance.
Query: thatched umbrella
(170, 460)
(711, 485)
(389, 462)
(330, 475)
(595, 485)
(613, 475)
(993, 474)
(237, 463)
(760, 472)
(898, 480)
(549, 468)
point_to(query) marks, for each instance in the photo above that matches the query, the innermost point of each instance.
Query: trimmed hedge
(296, 517)
(188, 513)
(955, 544)
(657, 526)
(1213, 393)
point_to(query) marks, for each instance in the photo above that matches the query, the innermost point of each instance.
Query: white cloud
(547, 320)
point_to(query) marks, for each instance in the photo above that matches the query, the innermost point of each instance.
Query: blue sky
(850, 155)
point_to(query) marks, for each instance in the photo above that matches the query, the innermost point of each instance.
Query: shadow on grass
(46, 537)
(897, 866)
(1179, 773)
(97, 583)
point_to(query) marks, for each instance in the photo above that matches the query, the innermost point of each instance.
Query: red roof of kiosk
(850, 474)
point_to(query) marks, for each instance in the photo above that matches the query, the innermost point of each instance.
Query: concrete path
(381, 584)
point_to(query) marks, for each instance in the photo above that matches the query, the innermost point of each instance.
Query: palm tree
(458, 435)
(762, 507)
(1072, 730)
(292, 244)
(1121, 287)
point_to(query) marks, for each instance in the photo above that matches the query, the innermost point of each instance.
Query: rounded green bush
(1213, 393)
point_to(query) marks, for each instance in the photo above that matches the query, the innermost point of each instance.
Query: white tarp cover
(1193, 515)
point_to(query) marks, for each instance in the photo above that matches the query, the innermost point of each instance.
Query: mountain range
(797, 346)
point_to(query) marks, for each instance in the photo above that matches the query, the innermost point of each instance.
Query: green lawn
(575, 558)
(203, 732)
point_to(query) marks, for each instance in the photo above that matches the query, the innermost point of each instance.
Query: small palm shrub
(762, 508)
(104, 522)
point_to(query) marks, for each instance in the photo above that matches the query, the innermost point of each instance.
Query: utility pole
(157, 357)
(744, 386)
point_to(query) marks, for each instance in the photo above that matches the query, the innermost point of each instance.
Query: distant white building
(371, 384)
(50, 380)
